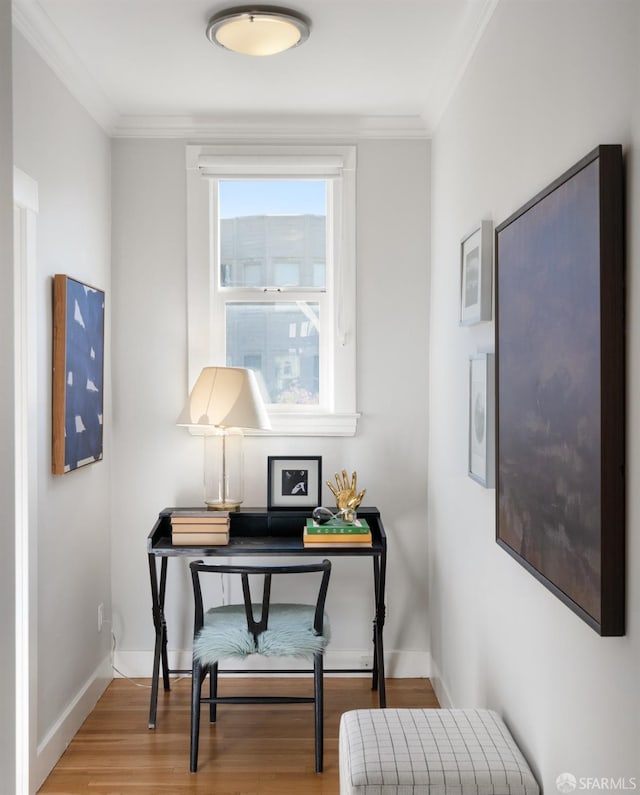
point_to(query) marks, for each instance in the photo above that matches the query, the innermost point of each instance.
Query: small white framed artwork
(482, 419)
(476, 265)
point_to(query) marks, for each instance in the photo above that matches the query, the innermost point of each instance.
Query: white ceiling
(145, 66)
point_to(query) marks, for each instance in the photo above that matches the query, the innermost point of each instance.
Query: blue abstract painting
(78, 374)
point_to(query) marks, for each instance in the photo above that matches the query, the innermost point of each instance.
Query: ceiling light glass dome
(258, 30)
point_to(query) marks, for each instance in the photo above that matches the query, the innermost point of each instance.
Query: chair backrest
(198, 567)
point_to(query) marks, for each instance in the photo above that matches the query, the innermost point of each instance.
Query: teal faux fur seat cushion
(289, 634)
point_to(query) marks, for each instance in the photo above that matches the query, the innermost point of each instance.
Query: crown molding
(460, 57)
(270, 128)
(36, 26)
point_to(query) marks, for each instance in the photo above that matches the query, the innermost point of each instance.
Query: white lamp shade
(225, 397)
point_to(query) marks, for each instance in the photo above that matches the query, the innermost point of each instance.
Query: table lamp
(223, 401)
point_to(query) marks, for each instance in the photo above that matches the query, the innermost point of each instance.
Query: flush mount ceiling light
(258, 30)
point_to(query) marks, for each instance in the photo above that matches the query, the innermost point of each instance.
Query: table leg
(378, 680)
(159, 623)
(163, 589)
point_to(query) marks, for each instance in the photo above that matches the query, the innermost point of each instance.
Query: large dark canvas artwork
(78, 363)
(560, 388)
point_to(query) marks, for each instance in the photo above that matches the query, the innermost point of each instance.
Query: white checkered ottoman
(430, 752)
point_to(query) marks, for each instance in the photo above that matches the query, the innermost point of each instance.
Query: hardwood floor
(251, 750)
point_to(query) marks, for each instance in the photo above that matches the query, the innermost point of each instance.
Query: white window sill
(311, 424)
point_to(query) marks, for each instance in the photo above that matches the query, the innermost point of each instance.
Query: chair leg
(319, 708)
(197, 675)
(213, 691)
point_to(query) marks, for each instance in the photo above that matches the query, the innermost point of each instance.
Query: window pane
(273, 233)
(281, 341)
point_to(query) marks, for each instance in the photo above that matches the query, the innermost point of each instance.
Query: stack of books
(199, 528)
(336, 532)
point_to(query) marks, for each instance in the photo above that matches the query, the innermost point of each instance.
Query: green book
(337, 527)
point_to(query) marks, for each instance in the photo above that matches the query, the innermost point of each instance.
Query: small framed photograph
(294, 482)
(475, 275)
(482, 419)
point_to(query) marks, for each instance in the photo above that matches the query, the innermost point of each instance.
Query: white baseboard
(407, 664)
(55, 742)
(442, 694)
(398, 664)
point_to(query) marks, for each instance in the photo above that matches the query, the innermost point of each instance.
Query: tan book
(200, 517)
(325, 544)
(335, 539)
(199, 539)
(201, 527)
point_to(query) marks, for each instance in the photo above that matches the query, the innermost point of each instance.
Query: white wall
(549, 81)
(158, 464)
(7, 385)
(61, 147)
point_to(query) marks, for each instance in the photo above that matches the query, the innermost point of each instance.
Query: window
(269, 281)
(271, 267)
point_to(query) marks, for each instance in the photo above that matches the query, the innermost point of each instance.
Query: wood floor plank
(251, 750)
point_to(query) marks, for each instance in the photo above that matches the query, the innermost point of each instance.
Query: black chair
(270, 629)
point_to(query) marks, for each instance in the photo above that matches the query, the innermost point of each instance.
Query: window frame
(208, 163)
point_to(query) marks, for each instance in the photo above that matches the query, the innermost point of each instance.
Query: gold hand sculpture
(346, 493)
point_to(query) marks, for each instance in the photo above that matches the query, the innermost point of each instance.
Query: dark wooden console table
(256, 532)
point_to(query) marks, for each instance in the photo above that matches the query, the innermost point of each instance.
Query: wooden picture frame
(78, 374)
(294, 482)
(560, 388)
(482, 419)
(476, 266)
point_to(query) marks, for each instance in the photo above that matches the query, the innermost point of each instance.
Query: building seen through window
(281, 341)
(273, 251)
(273, 272)
(279, 338)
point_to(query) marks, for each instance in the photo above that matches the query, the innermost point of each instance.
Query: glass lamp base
(223, 506)
(223, 469)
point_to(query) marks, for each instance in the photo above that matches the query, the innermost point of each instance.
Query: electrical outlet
(100, 616)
